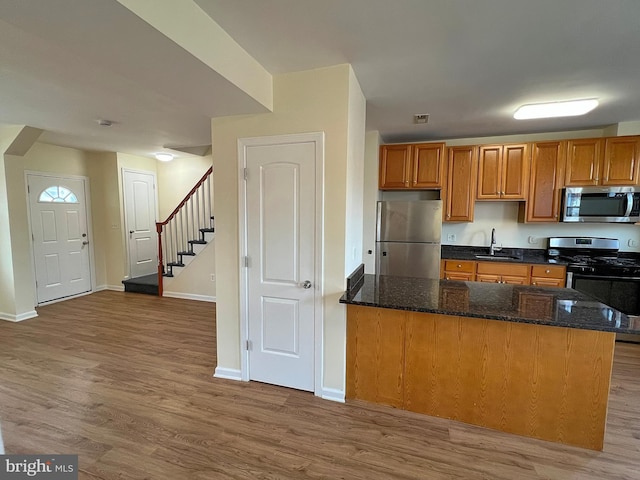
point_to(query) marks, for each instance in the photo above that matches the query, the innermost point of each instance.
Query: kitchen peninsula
(521, 359)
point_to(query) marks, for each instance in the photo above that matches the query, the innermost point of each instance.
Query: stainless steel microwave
(601, 204)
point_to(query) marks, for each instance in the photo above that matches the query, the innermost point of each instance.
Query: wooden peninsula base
(539, 381)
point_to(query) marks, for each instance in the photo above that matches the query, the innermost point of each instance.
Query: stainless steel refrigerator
(408, 238)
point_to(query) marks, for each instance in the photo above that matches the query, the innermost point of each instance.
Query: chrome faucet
(492, 246)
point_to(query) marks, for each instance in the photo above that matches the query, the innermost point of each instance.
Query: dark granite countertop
(561, 307)
(524, 255)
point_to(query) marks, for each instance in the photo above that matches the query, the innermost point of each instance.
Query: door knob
(86, 242)
(131, 232)
(306, 284)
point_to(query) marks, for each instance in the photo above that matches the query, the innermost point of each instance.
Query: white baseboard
(228, 373)
(190, 296)
(115, 288)
(18, 318)
(332, 394)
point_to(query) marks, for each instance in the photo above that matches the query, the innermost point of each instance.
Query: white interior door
(60, 236)
(281, 213)
(140, 222)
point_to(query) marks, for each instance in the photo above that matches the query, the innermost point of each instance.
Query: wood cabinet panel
(395, 166)
(584, 162)
(548, 271)
(621, 162)
(465, 277)
(547, 282)
(515, 171)
(503, 172)
(503, 268)
(488, 278)
(489, 172)
(459, 266)
(505, 376)
(428, 165)
(545, 185)
(411, 166)
(462, 168)
(375, 354)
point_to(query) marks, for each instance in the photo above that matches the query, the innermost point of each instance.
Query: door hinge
(246, 261)
(245, 174)
(28, 189)
(248, 345)
(33, 238)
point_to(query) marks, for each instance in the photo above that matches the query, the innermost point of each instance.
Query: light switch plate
(451, 237)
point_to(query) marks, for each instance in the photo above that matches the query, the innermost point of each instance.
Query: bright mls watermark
(47, 467)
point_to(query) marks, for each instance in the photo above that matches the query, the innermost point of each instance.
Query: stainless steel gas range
(595, 266)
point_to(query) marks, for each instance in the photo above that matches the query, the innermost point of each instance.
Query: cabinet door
(466, 277)
(621, 161)
(462, 168)
(395, 166)
(488, 278)
(427, 167)
(584, 162)
(515, 172)
(547, 282)
(489, 172)
(547, 174)
(515, 280)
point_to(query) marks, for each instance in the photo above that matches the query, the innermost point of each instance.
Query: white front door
(281, 248)
(140, 222)
(60, 236)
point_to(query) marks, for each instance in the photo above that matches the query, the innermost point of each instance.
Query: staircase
(180, 237)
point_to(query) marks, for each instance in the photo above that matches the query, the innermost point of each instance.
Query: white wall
(355, 176)
(370, 196)
(310, 101)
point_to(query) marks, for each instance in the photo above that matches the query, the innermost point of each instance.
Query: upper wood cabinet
(411, 166)
(584, 162)
(603, 161)
(546, 182)
(503, 172)
(621, 161)
(462, 168)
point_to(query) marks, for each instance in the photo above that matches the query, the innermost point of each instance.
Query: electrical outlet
(632, 242)
(451, 237)
(532, 240)
(213, 277)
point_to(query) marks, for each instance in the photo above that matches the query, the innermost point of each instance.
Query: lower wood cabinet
(503, 272)
(540, 381)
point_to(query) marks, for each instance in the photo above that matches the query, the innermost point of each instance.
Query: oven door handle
(629, 204)
(572, 275)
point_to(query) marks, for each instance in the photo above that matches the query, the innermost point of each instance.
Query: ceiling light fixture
(105, 123)
(555, 109)
(164, 157)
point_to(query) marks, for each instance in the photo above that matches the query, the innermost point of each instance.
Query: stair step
(175, 264)
(169, 275)
(197, 242)
(189, 254)
(147, 284)
(204, 230)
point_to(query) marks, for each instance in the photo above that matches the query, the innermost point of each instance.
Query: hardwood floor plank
(125, 381)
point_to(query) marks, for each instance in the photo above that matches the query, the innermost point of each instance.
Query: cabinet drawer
(459, 266)
(547, 271)
(498, 268)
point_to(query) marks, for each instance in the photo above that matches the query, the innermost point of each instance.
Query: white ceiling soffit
(66, 64)
(467, 63)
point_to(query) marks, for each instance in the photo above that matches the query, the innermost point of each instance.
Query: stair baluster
(185, 227)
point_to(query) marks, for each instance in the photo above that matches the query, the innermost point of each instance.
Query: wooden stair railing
(186, 226)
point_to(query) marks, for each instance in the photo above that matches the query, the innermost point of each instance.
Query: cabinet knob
(534, 283)
(459, 266)
(547, 271)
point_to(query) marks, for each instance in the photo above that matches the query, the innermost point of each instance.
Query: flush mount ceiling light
(555, 109)
(421, 118)
(164, 157)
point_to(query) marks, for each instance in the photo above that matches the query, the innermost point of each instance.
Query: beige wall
(7, 280)
(310, 101)
(370, 197)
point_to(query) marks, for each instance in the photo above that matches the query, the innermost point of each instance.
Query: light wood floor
(124, 380)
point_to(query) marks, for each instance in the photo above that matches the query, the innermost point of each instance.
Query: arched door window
(57, 194)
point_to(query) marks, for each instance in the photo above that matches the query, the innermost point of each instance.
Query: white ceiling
(468, 63)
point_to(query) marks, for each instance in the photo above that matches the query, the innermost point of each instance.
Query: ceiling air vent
(421, 118)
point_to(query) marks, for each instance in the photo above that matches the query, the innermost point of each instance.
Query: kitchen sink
(498, 257)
